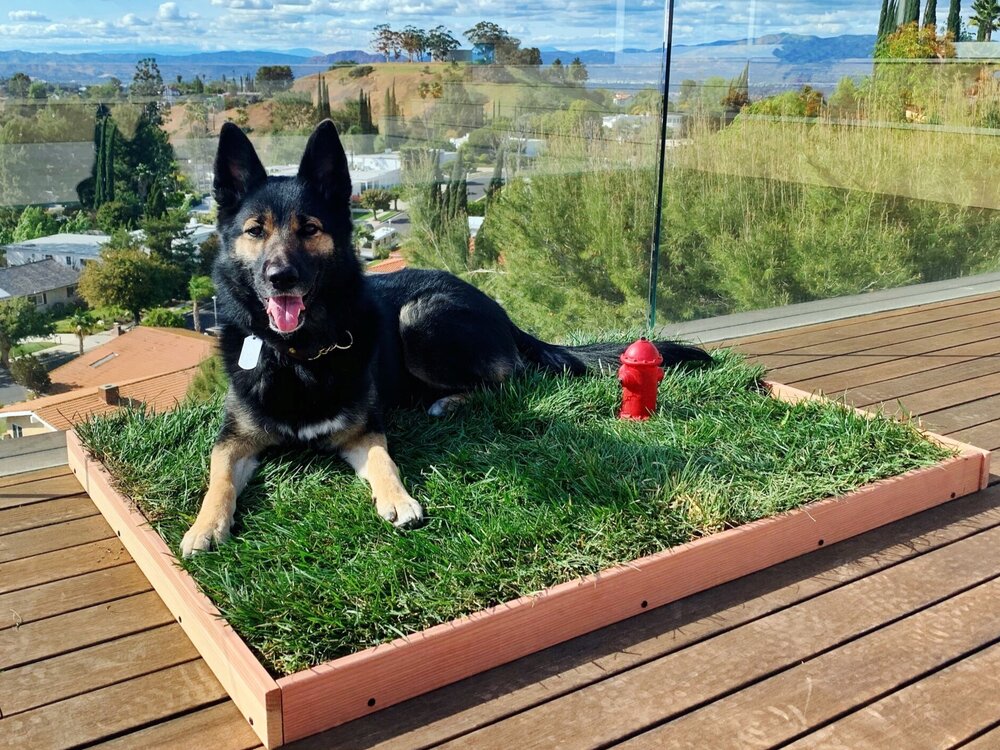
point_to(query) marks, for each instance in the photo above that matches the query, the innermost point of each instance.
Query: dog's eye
(310, 229)
(256, 231)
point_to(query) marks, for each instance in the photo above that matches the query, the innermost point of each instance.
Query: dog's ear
(238, 170)
(324, 164)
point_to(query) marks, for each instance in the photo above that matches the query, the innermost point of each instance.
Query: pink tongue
(284, 312)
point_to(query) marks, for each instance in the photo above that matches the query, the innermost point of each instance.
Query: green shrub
(161, 317)
(31, 373)
(209, 382)
(360, 71)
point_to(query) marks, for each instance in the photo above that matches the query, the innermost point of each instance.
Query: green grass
(30, 348)
(529, 486)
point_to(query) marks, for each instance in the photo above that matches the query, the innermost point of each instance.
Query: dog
(317, 352)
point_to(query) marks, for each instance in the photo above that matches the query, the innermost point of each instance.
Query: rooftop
(60, 412)
(32, 278)
(138, 353)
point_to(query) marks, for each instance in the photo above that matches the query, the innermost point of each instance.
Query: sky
(181, 26)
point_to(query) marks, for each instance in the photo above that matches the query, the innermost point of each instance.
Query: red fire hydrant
(639, 375)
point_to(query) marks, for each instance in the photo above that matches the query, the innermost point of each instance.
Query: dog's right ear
(238, 171)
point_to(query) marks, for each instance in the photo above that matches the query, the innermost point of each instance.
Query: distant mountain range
(776, 60)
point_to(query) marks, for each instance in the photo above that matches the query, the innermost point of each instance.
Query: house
(44, 282)
(148, 366)
(70, 250)
(157, 393)
(395, 262)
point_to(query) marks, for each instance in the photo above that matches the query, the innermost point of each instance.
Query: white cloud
(244, 4)
(30, 16)
(172, 12)
(131, 19)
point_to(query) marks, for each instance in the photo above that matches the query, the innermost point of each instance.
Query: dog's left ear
(324, 164)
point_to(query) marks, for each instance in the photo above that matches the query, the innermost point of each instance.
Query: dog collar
(306, 356)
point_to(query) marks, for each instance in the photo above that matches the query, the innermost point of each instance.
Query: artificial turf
(529, 485)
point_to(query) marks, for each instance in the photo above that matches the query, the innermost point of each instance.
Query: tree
(440, 43)
(911, 12)
(27, 370)
(116, 215)
(914, 42)
(557, 73)
(738, 95)
(954, 24)
(376, 199)
(127, 278)
(18, 86)
(413, 41)
(986, 17)
(162, 317)
(887, 23)
(147, 83)
(385, 41)
(930, 13)
(578, 71)
(199, 288)
(272, 78)
(33, 223)
(19, 319)
(84, 324)
(38, 91)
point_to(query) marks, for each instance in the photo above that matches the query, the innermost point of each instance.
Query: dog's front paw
(400, 512)
(200, 537)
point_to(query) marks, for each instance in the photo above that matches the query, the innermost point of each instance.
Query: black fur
(417, 335)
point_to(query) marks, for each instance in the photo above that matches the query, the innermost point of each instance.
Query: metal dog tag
(250, 353)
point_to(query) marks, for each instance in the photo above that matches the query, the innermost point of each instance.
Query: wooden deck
(891, 639)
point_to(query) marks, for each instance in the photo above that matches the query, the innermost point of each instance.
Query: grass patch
(30, 348)
(530, 485)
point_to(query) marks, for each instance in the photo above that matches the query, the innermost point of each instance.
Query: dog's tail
(579, 360)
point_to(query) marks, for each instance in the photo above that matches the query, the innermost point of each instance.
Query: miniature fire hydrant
(639, 375)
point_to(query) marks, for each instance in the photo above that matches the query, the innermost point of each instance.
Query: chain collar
(322, 352)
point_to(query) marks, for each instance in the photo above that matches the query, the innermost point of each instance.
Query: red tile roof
(395, 262)
(139, 353)
(158, 393)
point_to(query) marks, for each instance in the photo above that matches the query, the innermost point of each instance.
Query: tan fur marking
(369, 456)
(233, 462)
(248, 248)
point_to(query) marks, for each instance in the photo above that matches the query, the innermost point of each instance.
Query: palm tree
(84, 324)
(199, 287)
(985, 15)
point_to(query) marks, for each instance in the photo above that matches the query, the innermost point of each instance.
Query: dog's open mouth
(285, 312)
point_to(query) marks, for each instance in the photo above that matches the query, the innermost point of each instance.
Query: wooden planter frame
(335, 692)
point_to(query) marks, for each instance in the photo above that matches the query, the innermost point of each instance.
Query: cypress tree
(955, 19)
(109, 160)
(930, 13)
(911, 11)
(99, 163)
(496, 181)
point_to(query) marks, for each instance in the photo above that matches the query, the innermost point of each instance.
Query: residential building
(69, 250)
(44, 282)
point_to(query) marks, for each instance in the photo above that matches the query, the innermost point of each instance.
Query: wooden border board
(347, 688)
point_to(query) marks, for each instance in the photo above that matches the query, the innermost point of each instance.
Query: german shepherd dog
(316, 351)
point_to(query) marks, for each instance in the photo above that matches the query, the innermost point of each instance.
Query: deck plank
(219, 727)
(115, 709)
(13, 520)
(54, 537)
(70, 594)
(39, 490)
(896, 318)
(919, 381)
(92, 668)
(795, 701)
(63, 563)
(942, 710)
(32, 476)
(677, 652)
(84, 627)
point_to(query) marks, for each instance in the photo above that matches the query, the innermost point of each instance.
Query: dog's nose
(281, 276)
